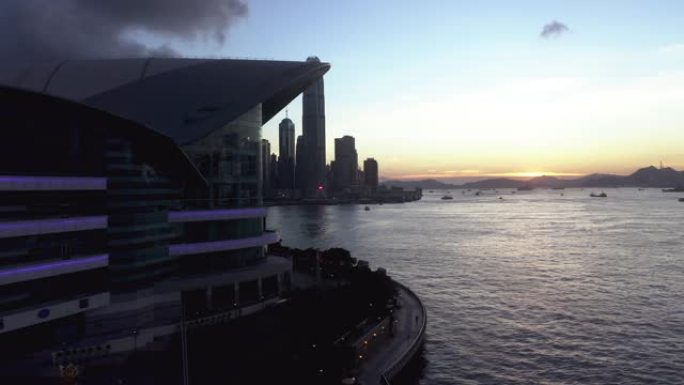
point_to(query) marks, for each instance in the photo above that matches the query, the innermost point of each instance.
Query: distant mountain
(494, 183)
(425, 184)
(644, 177)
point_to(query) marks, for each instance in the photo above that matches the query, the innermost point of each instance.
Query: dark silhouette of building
(286, 161)
(313, 132)
(301, 165)
(273, 160)
(370, 173)
(139, 205)
(266, 167)
(346, 164)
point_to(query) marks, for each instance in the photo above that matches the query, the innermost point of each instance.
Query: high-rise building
(313, 131)
(370, 173)
(301, 165)
(346, 163)
(273, 160)
(133, 211)
(286, 161)
(265, 167)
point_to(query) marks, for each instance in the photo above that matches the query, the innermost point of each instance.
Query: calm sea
(535, 288)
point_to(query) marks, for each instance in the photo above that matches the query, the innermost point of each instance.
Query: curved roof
(19, 103)
(185, 99)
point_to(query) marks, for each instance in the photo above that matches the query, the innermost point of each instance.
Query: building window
(84, 303)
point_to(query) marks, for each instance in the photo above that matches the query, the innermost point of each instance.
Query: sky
(466, 89)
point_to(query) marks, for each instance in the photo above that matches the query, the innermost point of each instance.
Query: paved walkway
(407, 329)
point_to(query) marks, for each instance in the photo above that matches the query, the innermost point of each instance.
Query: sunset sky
(453, 89)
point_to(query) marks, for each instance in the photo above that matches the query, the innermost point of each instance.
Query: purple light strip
(51, 183)
(51, 226)
(216, 215)
(231, 244)
(24, 273)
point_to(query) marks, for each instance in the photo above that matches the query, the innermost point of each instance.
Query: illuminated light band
(216, 215)
(51, 226)
(51, 183)
(231, 244)
(50, 269)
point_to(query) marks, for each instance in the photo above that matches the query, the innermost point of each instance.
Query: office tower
(133, 211)
(301, 165)
(265, 167)
(370, 173)
(286, 161)
(273, 160)
(313, 131)
(346, 163)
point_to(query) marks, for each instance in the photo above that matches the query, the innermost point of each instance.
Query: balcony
(51, 183)
(52, 268)
(216, 215)
(51, 226)
(230, 244)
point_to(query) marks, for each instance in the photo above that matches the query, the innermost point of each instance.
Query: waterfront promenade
(391, 355)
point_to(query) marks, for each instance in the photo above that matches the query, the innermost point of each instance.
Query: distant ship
(367, 208)
(601, 195)
(681, 199)
(676, 189)
(447, 197)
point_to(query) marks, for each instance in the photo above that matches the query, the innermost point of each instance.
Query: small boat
(447, 197)
(681, 199)
(477, 194)
(601, 195)
(676, 189)
(367, 208)
(641, 189)
(500, 198)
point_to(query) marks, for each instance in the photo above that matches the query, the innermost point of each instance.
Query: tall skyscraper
(265, 167)
(286, 162)
(313, 130)
(370, 173)
(301, 165)
(346, 163)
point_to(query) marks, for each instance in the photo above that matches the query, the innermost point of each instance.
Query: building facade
(346, 163)
(133, 211)
(313, 134)
(286, 161)
(370, 173)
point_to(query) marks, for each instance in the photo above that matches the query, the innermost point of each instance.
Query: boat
(641, 189)
(477, 194)
(675, 189)
(681, 199)
(447, 197)
(367, 208)
(601, 195)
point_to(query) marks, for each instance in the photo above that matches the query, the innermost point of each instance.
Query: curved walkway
(389, 357)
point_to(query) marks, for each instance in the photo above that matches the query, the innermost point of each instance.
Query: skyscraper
(265, 167)
(301, 166)
(313, 130)
(346, 163)
(370, 173)
(286, 162)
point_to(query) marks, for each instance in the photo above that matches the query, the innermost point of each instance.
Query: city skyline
(453, 90)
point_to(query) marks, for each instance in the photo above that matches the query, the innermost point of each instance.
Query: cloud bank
(63, 29)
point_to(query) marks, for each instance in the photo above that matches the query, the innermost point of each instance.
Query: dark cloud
(60, 29)
(554, 28)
